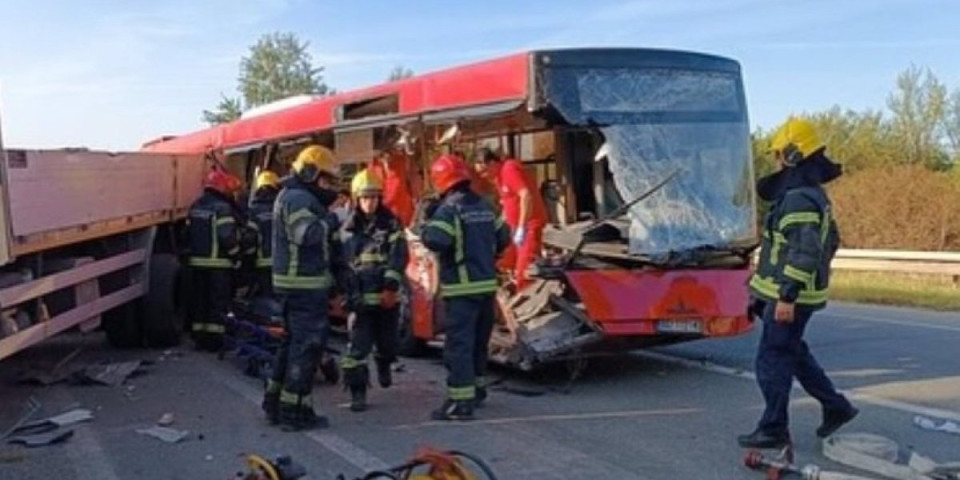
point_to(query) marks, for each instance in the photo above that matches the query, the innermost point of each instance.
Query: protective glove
(519, 236)
(389, 299)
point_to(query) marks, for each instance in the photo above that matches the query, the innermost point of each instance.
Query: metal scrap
(110, 374)
(52, 423)
(169, 435)
(42, 439)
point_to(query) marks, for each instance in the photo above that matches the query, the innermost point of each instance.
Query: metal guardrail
(934, 263)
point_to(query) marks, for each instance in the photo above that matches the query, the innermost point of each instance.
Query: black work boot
(454, 410)
(300, 416)
(481, 395)
(358, 398)
(832, 421)
(761, 439)
(384, 373)
(271, 407)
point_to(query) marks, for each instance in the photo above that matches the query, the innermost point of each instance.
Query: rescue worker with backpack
(260, 220)
(800, 238)
(376, 253)
(467, 236)
(214, 225)
(305, 259)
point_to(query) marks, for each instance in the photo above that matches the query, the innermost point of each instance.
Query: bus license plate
(680, 326)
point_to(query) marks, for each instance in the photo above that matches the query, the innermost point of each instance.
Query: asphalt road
(671, 413)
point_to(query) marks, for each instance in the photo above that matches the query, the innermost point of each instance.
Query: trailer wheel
(162, 319)
(409, 345)
(122, 326)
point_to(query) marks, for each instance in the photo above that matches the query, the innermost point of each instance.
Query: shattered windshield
(656, 120)
(708, 204)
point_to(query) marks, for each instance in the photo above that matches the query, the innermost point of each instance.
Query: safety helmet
(366, 183)
(221, 180)
(796, 140)
(447, 171)
(266, 179)
(313, 160)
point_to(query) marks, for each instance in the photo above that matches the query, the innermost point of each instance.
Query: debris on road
(929, 424)
(111, 374)
(65, 419)
(42, 439)
(31, 407)
(169, 435)
(165, 420)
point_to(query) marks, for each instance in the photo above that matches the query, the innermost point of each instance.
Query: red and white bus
(597, 129)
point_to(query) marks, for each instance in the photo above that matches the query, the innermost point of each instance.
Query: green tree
(399, 73)
(918, 105)
(228, 110)
(951, 125)
(277, 66)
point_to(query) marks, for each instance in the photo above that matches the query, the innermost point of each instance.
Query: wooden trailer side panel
(54, 190)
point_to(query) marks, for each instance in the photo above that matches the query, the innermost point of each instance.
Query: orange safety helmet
(447, 171)
(222, 181)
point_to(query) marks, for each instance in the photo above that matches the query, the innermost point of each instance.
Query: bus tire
(162, 317)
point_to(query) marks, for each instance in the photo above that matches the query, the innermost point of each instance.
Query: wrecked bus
(642, 157)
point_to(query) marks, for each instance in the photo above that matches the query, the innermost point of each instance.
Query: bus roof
(492, 81)
(487, 83)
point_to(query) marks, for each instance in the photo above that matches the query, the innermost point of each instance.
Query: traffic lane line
(553, 418)
(888, 321)
(853, 394)
(343, 448)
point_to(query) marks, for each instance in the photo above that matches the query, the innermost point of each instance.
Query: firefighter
(376, 253)
(467, 237)
(522, 207)
(214, 224)
(260, 220)
(800, 238)
(305, 254)
(398, 193)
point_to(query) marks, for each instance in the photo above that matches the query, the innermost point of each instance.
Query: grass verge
(907, 290)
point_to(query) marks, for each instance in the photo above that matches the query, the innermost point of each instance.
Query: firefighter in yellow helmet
(376, 254)
(306, 257)
(790, 283)
(260, 221)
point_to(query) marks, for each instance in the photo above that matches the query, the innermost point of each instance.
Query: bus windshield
(658, 120)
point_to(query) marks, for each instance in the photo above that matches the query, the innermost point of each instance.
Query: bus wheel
(162, 319)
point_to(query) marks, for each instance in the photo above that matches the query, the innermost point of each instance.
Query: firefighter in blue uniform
(467, 237)
(305, 254)
(214, 229)
(800, 238)
(376, 253)
(260, 220)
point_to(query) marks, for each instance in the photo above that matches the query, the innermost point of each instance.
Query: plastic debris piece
(165, 420)
(946, 426)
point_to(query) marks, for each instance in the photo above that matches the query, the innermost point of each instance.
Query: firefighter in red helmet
(461, 229)
(214, 229)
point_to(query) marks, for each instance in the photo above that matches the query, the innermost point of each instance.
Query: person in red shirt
(398, 191)
(523, 208)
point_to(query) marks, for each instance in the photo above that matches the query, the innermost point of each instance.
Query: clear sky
(111, 74)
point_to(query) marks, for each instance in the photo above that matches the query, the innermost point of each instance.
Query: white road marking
(860, 396)
(888, 321)
(350, 452)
